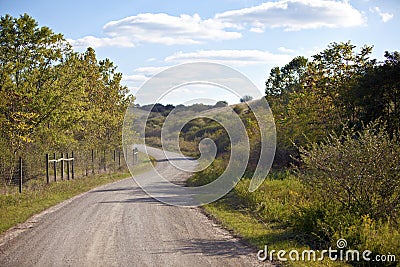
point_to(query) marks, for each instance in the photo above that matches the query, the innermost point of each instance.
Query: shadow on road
(175, 159)
(127, 195)
(208, 247)
(133, 200)
(112, 190)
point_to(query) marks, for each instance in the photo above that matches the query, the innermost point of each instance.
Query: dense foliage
(52, 98)
(340, 86)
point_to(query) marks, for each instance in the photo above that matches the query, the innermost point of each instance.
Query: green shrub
(355, 181)
(357, 170)
(323, 222)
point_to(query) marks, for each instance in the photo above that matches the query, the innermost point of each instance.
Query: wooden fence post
(135, 156)
(92, 161)
(86, 165)
(47, 169)
(105, 162)
(55, 167)
(114, 161)
(67, 166)
(20, 174)
(119, 158)
(99, 162)
(72, 165)
(125, 154)
(62, 166)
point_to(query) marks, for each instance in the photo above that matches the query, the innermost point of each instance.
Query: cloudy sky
(144, 37)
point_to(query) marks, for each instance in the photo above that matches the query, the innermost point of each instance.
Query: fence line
(37, 167)
(55, 161)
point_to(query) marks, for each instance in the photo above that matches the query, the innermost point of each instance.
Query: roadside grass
(17, 208)
(263, 217)
(257, 233)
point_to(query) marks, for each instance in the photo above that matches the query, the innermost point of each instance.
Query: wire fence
(32, 169)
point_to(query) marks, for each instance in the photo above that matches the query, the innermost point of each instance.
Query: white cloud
(141, 75)
(293, 15)
(134, 78)
(150, 71)
(231, 57)
(257, 30)
(166, 29)
(285, 50)
(385, 17)
(159, 28)
(118, 41)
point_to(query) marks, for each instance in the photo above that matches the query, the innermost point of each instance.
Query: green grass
(263, 217)
(37, 196)
(259, 233)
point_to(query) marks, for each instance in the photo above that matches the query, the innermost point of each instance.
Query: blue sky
(144, 37)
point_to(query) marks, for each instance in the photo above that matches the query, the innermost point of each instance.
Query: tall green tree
(282, 85)
(106, 102)
(377, 95)
(287, 79)
(310, 99)
(332, 74)
(29, 83)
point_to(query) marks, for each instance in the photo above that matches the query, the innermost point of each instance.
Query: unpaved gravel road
(120, 225)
